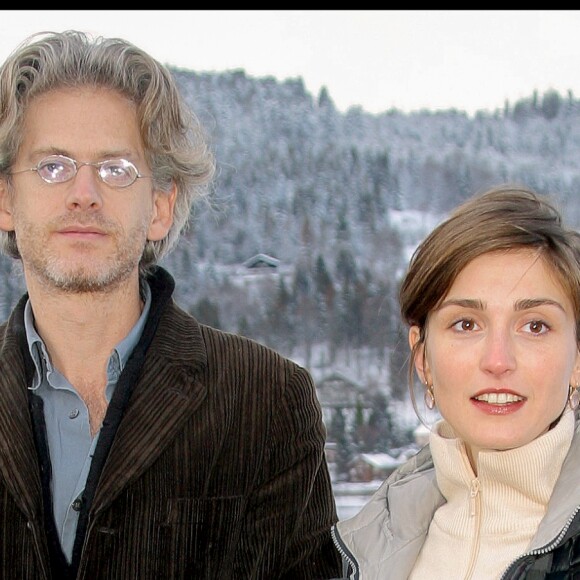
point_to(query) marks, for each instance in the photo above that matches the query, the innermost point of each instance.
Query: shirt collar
(121, 352)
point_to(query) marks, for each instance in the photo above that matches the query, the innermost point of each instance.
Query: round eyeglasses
(59, 169)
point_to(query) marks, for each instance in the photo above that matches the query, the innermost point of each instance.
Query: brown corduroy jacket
(216, 469)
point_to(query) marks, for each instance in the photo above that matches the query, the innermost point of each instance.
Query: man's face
(82, 235)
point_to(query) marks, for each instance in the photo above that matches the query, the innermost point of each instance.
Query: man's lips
(83, 232)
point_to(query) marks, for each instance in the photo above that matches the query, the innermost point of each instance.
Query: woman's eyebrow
(522, 304)
(473, 303)
(529, 303)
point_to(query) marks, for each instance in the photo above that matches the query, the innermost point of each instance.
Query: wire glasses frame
(117, 173)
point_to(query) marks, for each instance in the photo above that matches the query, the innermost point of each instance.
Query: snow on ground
(350, 497)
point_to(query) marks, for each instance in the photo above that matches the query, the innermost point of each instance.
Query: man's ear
(162, 218)
(6, 219)
(419, 354)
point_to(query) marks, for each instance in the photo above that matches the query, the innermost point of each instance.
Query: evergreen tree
(399, 364)
(337, 433)
(207, 312)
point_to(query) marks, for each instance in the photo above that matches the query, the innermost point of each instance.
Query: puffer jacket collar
(384, 539)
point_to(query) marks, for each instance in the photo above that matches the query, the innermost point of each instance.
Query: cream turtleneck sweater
(488, 520)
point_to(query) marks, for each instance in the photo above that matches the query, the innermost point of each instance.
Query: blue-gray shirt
(70, 444)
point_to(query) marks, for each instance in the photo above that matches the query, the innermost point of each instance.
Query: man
(135, 443)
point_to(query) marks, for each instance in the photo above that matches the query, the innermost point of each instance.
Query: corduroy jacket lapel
(18, 458)
(165, 395)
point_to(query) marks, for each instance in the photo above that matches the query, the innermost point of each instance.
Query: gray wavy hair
(175, 142)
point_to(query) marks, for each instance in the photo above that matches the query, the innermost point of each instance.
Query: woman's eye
(464, 325)
(536, 327)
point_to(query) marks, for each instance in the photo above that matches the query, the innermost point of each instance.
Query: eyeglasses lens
(118, 172)
(113, 172)
(56, 169)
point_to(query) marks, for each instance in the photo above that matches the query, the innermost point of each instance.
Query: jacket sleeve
(293, 508)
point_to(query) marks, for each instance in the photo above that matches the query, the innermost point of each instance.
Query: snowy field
(349, 505)
(350, 497)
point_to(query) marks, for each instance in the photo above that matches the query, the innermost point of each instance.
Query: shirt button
(73, 414)
(76, 504)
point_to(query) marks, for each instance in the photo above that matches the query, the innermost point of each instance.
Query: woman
(492, 300)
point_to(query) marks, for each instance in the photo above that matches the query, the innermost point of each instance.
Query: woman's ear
(575, 378)
(6, 214)
(417, 347)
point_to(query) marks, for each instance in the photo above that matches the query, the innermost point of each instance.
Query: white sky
(378, 59)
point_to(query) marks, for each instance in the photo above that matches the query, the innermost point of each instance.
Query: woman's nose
(498, 354)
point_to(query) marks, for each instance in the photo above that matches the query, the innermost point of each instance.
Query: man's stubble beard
(82, 275)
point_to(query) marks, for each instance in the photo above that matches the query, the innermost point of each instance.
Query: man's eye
(51, 167)
(115, 170)
(53, 170)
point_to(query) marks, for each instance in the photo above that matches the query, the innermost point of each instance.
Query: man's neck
(80, 330)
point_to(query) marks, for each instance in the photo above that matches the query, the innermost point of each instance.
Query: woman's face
(501, 351)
